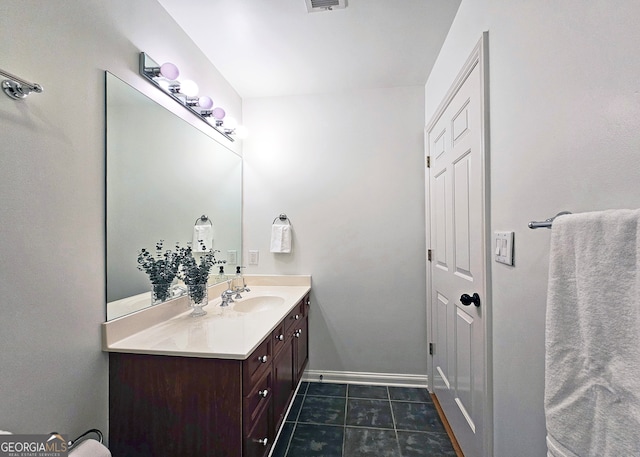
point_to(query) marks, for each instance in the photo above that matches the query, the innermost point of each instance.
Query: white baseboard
(352, 377)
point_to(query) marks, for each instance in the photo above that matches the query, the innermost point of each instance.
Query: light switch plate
(253, 257)
(232, 257)
(503, 247)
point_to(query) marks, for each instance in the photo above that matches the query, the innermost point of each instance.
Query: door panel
(442, 335)
(457, 217)
(440, 219)
(461, 197)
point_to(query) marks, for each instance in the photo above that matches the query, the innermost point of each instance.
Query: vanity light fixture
(18, 88)
(165, 77)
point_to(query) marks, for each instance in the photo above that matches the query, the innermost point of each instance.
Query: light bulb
(169, 71)
(218, 113)
(164, 84)
(230, 123)
(241, 132)
(205, 102)
(189, 88)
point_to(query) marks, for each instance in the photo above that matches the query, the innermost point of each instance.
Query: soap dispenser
(238, 282)
(221, 277)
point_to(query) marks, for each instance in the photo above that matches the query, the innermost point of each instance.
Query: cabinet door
(301, 349)
(283, 381)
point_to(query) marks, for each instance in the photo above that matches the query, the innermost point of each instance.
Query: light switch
(504, 247)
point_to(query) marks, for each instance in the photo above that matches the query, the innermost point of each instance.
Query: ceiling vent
(314, 6)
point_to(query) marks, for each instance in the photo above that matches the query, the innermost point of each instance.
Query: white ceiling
(275, 47)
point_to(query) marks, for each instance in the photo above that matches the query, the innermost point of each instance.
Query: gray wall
(565, 113)
(52, 274)
(347, 168)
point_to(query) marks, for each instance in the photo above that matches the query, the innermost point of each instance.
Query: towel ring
(283, 218)
(203, 219)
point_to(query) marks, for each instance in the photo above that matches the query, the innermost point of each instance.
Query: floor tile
(303, 388)
(310, 440)
(409, 394)
(366, 442)
(295, 409)
(369, 413)
(329, 390)
(283, 440)
(378, 392)
(425, 444)
(326, 419)
(416, 416)
(323, 410)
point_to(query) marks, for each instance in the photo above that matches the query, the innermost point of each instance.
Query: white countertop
(221, 333)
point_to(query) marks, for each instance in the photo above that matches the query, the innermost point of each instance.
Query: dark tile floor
(340, 420)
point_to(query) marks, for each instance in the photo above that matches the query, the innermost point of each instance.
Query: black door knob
(467, 300)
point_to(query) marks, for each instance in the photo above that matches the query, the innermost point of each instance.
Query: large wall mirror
(163, 174)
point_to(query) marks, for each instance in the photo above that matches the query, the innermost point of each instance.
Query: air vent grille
(325, 5)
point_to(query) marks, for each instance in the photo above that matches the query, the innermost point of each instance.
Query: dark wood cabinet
(193, 407)
(290, 358)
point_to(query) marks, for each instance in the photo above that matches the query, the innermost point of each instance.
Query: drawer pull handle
(263, 441)
(298, 333)
(280, 337)
(296, 317)
(263, 393)
(262, 358)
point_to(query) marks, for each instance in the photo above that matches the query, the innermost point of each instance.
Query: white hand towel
(281, 238)
(90, 448)
(592, 361)
(202, 235)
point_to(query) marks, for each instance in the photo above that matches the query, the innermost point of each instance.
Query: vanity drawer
(278, 337)
(257, 400)
(259, 440)
(294, 316)
(255, 364)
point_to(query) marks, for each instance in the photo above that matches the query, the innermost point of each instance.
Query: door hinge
(429, 255)
(430, 348)
(428, 161)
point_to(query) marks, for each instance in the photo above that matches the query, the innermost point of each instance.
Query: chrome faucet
(244, 288)
(178, 291)
(227, 296)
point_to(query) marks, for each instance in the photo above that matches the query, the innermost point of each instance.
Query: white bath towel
(592, 361)
(281, 238)
(202, 236)
(90, 448)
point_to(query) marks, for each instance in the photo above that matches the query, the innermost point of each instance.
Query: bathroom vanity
(218, 385)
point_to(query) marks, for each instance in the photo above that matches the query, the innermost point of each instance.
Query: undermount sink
(256, 304)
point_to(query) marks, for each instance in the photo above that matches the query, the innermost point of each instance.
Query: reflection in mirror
(163, 174)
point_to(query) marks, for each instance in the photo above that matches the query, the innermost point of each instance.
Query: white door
(458, 299)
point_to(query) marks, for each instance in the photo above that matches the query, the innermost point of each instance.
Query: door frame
(479, 56)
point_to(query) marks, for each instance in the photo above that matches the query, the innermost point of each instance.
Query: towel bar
(73, 443)
(546, 223)
(18, 88)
